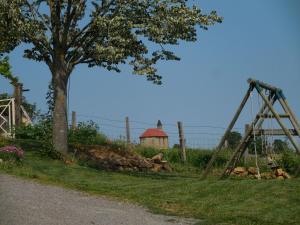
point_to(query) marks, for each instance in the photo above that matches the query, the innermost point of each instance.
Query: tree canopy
(5, 71)
(103, 33)
(116, 32)
(234, 139)
(10, 25)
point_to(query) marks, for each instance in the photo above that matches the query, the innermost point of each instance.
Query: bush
(290, 161)
(86, 133)
(38, 137)
(147, 152)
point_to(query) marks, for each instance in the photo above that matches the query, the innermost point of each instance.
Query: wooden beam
(246, 154)
(270, 116)
(289, 111)
(286, 131)
(263, 85)
(241, 148)
(275, 132)
(228, 130)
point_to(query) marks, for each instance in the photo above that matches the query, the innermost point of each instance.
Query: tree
(116, 32)
(234, 139)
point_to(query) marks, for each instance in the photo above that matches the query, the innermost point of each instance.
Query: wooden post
(127, 130)
(246, 154)
(74, 124)
(229, 128)
(258, 121)
(181, 142)
(240, 149)
(13, 114)
(18, 102)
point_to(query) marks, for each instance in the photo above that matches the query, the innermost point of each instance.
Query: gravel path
(24, 202)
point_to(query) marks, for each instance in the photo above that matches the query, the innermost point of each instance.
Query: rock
(251, 176)
(129, 169)
(252, 170)
(257, 176)
(1, 160)
(286, 175)
(156, 168)
(166, 167)
(279, 172)
(157, 158)
(110, 158)
(243, 174)
(239, 170)
(280, 178)
(69, 162)
(267, 175)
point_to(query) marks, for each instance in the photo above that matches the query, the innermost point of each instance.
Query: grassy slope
(216, 202)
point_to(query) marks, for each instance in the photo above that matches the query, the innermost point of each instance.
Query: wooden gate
(7, 116)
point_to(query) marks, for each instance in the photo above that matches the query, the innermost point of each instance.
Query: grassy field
(213, 201)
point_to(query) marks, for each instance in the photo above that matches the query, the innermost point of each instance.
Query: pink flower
(13, 150)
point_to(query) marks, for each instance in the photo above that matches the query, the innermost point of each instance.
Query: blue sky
(258, 39)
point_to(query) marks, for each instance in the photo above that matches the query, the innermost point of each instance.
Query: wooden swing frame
(266, 111)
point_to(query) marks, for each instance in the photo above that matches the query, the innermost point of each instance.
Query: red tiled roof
(153, 132)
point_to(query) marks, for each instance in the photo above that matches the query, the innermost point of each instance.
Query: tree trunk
(60, 115)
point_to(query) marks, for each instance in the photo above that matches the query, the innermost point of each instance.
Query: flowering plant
(11, 152)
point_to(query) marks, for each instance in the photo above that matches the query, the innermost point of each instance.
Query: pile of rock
(251, 172)
(120, 160)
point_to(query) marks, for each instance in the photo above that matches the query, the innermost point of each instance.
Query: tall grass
(194, 157)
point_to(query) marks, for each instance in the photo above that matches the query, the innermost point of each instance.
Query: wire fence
(197, 136)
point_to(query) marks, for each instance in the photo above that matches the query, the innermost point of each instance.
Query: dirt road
(25, 202)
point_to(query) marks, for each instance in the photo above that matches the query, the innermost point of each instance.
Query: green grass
(212, 201)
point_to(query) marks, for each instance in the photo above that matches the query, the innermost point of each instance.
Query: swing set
(267, 96)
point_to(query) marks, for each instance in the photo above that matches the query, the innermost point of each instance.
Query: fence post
(127, 130)
(74, 124)
(181, 142)
(18, 102)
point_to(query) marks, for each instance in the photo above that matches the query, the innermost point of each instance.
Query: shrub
(11, 153)
(38, 137)
(290, 161)
(86, 133)
(147, 152)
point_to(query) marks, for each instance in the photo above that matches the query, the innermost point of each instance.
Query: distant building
(155, 137)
